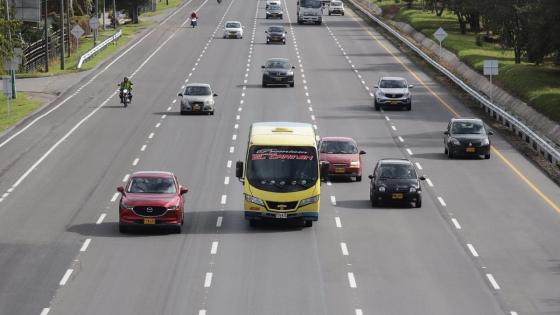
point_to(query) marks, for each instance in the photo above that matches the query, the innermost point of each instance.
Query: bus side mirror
(239, 169)
(324, 167)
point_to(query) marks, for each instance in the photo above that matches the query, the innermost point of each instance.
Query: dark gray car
(276, 33)
(274, 11)
(395, 181)
(277, 71)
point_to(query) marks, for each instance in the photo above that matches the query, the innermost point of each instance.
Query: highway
(484, 242)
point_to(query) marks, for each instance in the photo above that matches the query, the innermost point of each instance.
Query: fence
(34, 54)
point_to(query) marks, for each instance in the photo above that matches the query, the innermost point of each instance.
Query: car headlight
(174, 207)
(255, 200)
(208, 102)
(289, 73)
(126, 206)
(355, 163)
(267, 12)
(309, 201)
(412, 189)
(382, 188)
(485, 141)
(407, 95)
(454, 141)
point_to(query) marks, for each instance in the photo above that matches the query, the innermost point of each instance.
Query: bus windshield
(282, 168)
(310, 3)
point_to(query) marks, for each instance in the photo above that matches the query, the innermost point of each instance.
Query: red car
(151, 198)
(345, 160)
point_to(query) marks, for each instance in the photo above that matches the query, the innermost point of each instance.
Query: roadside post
(7, 85)
(491, 69)
(77, 32)
(94, 24)
(440, 35)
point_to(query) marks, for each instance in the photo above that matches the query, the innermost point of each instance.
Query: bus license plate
(150, 221)
(281, 216)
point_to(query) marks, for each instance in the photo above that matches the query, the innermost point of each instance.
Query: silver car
(233, 29)
(197, 98)
(393, 92)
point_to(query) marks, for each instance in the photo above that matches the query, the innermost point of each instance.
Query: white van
(336, 7)
(272, 2)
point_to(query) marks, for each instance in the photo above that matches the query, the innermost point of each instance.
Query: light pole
(46, 39)
(12, 72)
(61, 34)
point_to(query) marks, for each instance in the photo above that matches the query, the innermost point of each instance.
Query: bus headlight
(309, 201)
(254, 200)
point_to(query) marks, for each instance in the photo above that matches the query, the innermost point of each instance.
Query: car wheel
(449, 154)
(342, 14)
(329, 14)
(292, 84)
(418, 203)
(409, 107)
(487, 156)
(252, 222)
(308, 223)
(445, 150)
(283, 42)
(183, 113)
(373, 202)
(264, 84)
(376, 105)
(267, 41)
(359, 178)
(123, 228)
(176, 229)
(267, 17)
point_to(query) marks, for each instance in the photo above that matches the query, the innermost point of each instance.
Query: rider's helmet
(125, 79)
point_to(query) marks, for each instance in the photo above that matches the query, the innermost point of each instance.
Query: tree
(132, 6)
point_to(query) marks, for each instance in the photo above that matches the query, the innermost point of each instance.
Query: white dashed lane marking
(45, 311)
(409, 152)
(400, 139)
(115, 196)
(441, 201)
(208, 280)
(344, 249)
(143, 148)
(418, 166)
(85, 245)
(101, 217)
(352, 280)
(125, 178)
(219, 221)
(224, 199)
(66, 276)
(456, 223)
(493, 281)
(337, 222)
(359, 312)
(473, 251)
(214, 248)
(228, 165)
(226, 180)
(333, 200)
(429, 182)
(135, 162)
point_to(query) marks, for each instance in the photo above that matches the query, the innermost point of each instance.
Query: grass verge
(19, 109)
(163, 5)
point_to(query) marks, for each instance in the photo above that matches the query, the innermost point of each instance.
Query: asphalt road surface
(484, 242)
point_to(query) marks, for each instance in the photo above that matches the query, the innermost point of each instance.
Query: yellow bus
(281, 175)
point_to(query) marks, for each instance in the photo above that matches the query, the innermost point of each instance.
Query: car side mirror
(262, 67)
(215, 94)
(180, 94)
(446, 133)
(362, 152)
(371, 176)
(120, 189)
(422, 177)
(266, 32)
(183, 190)
(411, 86)
(376, 86)
(490, 132)
(293, 67)
(239, 170)
(324, 169)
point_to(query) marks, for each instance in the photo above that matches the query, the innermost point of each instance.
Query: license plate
(397, 196)
(471, 150)
(339, 170)
(278, 79)
(394, 102)
(281, 216)
(149, 221)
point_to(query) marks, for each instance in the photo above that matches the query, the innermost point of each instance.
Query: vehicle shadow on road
(364, 204)
(173, 113)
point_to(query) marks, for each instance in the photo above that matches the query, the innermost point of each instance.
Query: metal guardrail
(538, 143)
(98, 48)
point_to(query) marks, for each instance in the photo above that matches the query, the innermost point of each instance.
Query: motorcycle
(219, 1)
(126, 97)
(193, 22)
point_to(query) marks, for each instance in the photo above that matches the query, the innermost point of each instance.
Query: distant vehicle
(233, 29)
(345, 160)
(198, 98)
(274, 11)
(336, 7)
(393, 92)
(281, 174)
(276, 33)
(151, 199)
(309, 11)
(395, 181)
(278, 71)
(272, 2)
(466, 136)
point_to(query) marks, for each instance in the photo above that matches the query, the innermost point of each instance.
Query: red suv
(151, 198)
(345, 160)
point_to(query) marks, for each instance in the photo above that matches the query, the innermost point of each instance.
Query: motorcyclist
(126, 84)
(194, 18)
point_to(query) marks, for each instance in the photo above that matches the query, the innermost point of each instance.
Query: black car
(278, 71)
(276, 33)
(274, 11)
(395, 181)
(466, 136)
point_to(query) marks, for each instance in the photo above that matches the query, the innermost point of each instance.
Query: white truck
(309, 11)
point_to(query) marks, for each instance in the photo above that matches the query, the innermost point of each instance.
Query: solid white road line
(214, 248)
(224, 199)
(66, 276)
(429, 182)
(333, 200)
(418, 166)
(441, 201)
(473, 251)
(101, 217)
(493, 281)
(219, 221)
(226, 180)
(337, 222)
(456, 223)
(344, 249)
(85, 245)
(208, 280)
(45, 311)
(352, 280)
(359, 312)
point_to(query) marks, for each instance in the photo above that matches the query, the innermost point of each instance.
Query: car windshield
(283, 168)
(276, 29)
(233, 25)
(152, 185)
(466, 128)
(336, 4)
(197, 90)
(392, 84)
(338, 147)
(274, 7)
(310, 3)
(277, 64)
(397, 171)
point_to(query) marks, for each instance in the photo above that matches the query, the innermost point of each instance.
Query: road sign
(77, 31)
(7, 85)
(440, 34)
(490, 67)
(94, 23)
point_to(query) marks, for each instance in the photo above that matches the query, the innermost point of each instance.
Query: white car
(233, 29)
(272, 2)
(393, 92)
(197, 98)
(336, 7)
